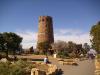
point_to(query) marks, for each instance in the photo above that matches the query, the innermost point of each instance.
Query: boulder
(36, 71)
(3, 60)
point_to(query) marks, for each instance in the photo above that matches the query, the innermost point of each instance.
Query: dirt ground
(85, 67)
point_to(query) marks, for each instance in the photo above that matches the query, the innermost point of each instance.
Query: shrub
(36, 53)
(4, 68)
(18, 68)
(62, 54)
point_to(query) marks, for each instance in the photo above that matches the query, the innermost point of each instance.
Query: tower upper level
(45, 29)
(45, 19)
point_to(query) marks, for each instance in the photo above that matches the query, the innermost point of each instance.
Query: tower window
(47, 19)
(42, 19)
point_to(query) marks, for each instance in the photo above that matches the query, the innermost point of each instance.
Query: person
(46, 60)
(91, 54)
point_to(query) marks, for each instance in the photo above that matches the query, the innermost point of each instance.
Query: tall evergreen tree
(9, 42)
(95, 36)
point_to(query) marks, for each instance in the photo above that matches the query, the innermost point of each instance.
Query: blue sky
(71, 18)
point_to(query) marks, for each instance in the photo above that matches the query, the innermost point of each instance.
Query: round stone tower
(45, 29)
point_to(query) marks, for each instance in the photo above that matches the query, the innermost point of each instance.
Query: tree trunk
(14, 54)
(6, 54)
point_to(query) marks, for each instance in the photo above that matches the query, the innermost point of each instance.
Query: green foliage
(2, 41)
(95, 34)
(63, 54)
(71, 46)
(36, 53)
(9, 42)
(18, 68)
(4, 68)
(67, 49)
(31, 50)
(59, 46)
(43, 47)
(13, 40)
(86, 47)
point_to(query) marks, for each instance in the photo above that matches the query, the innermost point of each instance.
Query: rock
(52, 70)
(3, 60)
(68, 62)
(97, 65)
(36, 71)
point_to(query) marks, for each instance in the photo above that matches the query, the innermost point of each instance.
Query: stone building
(45, 29)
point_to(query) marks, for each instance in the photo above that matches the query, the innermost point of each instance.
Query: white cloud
(69, 31)
(29, 38)
(82, 38)
(77, 36)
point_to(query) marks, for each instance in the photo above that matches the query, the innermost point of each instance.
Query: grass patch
(17, 68)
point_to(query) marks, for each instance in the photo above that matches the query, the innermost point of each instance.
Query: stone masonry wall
(45, 29)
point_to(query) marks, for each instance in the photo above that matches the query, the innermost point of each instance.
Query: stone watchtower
(45, 29)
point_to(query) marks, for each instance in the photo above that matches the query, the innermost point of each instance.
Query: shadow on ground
(60, 72)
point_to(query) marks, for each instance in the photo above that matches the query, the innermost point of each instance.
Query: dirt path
(85, 67)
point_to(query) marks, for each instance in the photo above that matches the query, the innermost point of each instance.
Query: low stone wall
(52, 70)
(68, 61)
(97, 66)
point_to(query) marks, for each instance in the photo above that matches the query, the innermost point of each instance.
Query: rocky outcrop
(36, 71)
(51, 70)
(3, 60)
(97, 66)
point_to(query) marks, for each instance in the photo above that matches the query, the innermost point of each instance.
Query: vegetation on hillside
(43, 47)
